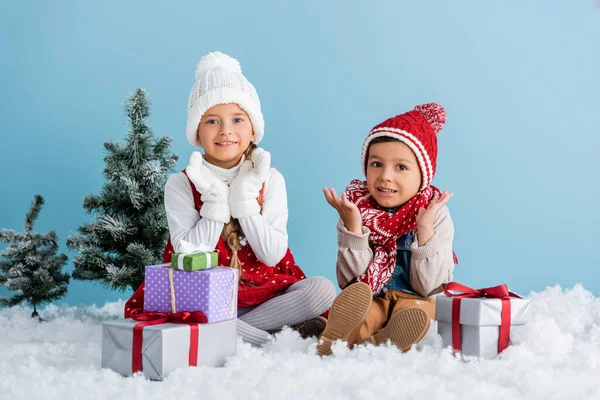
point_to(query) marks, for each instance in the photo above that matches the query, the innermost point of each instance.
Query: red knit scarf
(386, 228)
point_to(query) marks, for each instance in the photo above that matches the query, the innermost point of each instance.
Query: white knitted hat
(219, 80)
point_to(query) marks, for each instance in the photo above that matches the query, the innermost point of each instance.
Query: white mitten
(214, 192)
(245, 188)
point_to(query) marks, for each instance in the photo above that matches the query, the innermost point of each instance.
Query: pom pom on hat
(216, 59)
(434, 114)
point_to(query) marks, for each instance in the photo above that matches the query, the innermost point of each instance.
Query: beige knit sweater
(431, 265)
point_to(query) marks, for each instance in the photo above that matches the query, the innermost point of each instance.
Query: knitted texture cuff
(219, 212)
(245, 208)
(429, 249)
(352, 240)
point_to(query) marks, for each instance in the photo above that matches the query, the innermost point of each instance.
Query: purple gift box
(212, 291)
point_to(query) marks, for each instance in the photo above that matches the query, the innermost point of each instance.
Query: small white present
(478, 322)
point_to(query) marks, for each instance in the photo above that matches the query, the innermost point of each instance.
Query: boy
(394, 236)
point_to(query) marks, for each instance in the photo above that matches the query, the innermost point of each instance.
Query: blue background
(519, 81)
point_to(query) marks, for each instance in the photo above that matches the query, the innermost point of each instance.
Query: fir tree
(30, 265)
(130, 229)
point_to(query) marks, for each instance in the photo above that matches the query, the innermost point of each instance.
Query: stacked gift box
(189, 319)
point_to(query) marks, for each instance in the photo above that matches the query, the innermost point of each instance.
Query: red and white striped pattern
(411, 141)
(418, 130)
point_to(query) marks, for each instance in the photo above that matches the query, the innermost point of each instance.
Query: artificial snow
(555, 356)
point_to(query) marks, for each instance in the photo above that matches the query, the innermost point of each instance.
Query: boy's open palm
(426, 216)
(347, 210)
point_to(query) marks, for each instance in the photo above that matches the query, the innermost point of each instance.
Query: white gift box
(479, 322)
(165, 347)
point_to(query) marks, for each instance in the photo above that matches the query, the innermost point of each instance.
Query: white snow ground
(555, 356)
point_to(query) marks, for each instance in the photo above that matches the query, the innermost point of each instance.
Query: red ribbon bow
(496, 292)
(147, 318)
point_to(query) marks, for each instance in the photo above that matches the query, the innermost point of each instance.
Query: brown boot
(311, 328)
(403, 329)
(347, 311)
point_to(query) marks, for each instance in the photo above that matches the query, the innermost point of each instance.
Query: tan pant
(383, 308)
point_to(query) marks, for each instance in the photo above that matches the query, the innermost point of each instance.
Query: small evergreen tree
(30, 265)
(130, 228)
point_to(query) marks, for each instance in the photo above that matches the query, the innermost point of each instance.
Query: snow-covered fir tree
(30, 265)
(129, 230)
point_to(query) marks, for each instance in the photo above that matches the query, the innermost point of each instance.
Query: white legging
(302, 301)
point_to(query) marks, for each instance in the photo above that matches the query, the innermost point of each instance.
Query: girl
(231, 199)
(395, 236)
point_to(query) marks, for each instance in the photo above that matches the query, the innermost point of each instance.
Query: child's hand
(213, 191)
(348, 210)
(245, 188)
(426, 216)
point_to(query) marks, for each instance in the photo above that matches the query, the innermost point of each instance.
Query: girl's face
(225, 132)
(393, 173)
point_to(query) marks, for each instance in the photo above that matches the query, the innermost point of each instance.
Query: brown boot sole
(347, 311)
(404, 329)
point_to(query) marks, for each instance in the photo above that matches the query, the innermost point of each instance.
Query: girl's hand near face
(214, 193)
(245, 188)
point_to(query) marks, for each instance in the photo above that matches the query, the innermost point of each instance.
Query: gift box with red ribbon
(213, 291)
(479, 322)
(158, 343)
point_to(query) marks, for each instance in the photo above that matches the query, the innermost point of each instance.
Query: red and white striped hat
(418, 130)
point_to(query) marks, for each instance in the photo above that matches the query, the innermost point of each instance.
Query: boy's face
(393, 173)
(225, 132)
